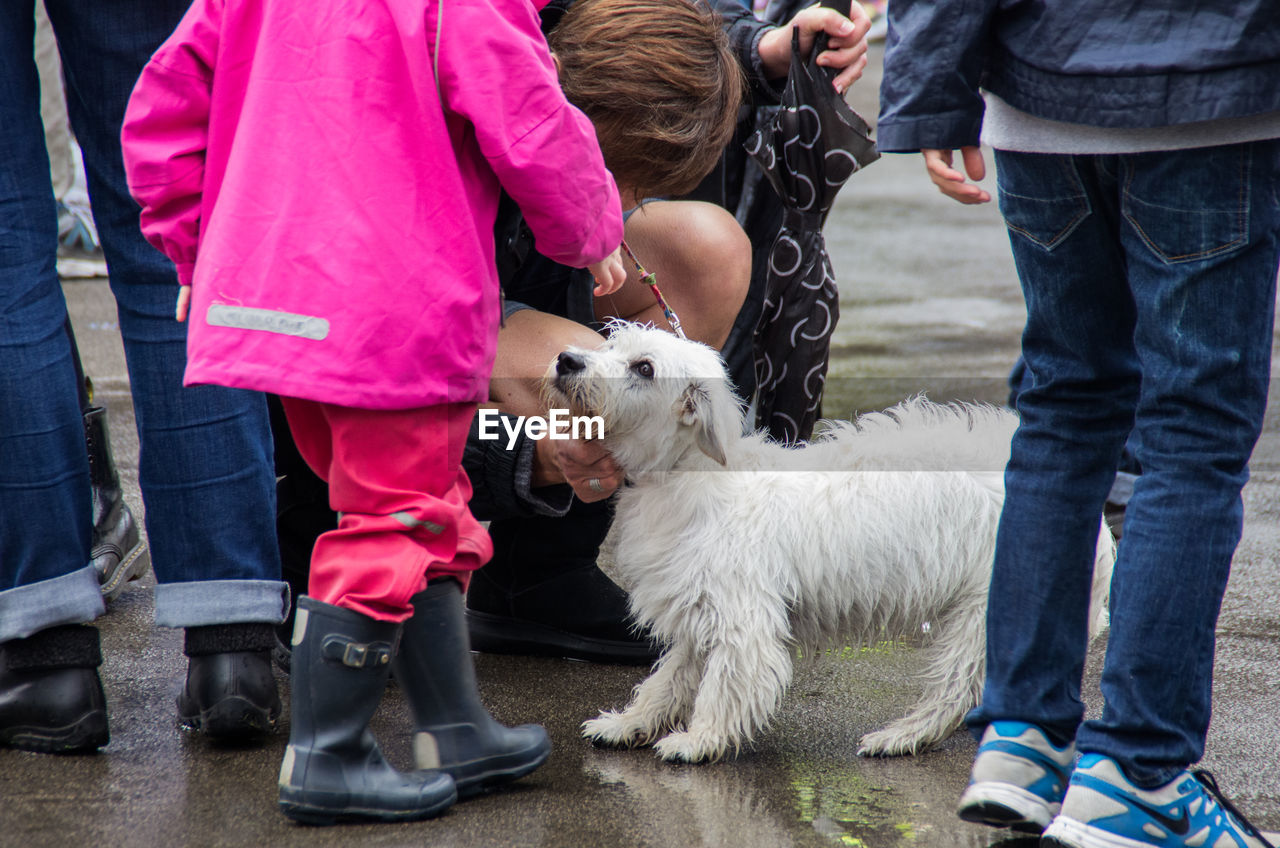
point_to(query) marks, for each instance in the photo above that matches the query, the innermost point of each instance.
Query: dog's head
(658, 395)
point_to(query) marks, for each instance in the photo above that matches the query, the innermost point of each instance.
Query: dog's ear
(697, 411)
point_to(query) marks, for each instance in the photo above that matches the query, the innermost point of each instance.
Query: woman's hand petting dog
(577, 462)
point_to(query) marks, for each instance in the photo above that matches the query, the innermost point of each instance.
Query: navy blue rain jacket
(1106, 63)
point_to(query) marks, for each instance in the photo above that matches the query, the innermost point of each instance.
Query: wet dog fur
(737, 552)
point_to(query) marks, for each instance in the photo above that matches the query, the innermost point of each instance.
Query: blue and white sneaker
(1104, 810)
(1018, 778)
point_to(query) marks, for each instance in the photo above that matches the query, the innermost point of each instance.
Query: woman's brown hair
(658, 81)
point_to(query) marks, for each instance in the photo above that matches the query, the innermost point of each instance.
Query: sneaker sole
(1005, 805)
(1069, 833)
(492, 634)
(86, 735)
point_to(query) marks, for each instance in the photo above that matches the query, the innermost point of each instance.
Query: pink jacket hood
(327, 180)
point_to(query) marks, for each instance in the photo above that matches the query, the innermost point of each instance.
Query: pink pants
(396, 480)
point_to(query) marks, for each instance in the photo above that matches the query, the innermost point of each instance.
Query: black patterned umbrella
(807, 149)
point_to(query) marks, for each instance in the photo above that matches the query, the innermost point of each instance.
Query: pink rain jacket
(327, 180)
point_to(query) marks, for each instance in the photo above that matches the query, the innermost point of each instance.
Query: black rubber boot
(230, 694)
(333, 769)
(454, 732)
(542, 594)
(51, 698)
(118, 553)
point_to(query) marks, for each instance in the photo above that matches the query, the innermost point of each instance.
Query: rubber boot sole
(85, 735)
(497, 772)
(319, 815)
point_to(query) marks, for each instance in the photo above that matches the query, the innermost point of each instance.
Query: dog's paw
(888, 743)
(687, 747)
(615, 730)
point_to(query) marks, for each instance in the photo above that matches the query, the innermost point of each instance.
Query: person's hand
(582, 463)
(609, 273)
(950, 181)
(846, 46)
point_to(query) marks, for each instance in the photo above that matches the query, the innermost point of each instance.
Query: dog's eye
(644, 368)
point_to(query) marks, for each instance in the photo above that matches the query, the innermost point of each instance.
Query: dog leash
(650, 279)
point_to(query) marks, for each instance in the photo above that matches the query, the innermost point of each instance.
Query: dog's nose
(569, 362)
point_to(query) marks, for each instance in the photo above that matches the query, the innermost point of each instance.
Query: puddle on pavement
(727, 803)
(849, 809)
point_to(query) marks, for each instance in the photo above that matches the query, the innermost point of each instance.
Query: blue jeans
(1150, 286)
(206, 464)
(1129, 469)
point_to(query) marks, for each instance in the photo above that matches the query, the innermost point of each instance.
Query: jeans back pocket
(1186, 214)
(1041, 196)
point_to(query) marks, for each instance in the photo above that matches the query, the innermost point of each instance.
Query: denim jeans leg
(45, 577)
(1202, 240)
(206, 463)
(1077, 405)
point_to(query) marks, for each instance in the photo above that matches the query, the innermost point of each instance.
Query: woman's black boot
(118, 552)
(542, 594)
(51, 697)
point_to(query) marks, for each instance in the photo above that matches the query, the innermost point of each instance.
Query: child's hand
(950, 181)
(609, 273)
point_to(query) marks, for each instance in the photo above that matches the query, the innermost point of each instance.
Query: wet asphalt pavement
(930, 302)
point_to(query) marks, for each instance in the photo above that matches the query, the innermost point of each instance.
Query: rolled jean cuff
(199, 603)
(73, 598)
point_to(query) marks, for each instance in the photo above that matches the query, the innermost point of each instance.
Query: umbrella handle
(844, 7)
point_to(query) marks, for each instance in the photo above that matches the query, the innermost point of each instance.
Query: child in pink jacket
(325, 176)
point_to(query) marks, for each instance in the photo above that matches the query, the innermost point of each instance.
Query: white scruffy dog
(738, 551)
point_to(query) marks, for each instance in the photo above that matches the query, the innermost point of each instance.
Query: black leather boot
(454, 732)
(333, 769)
(230, 695)
(118, 553)
(51, 698)
(542, 594)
